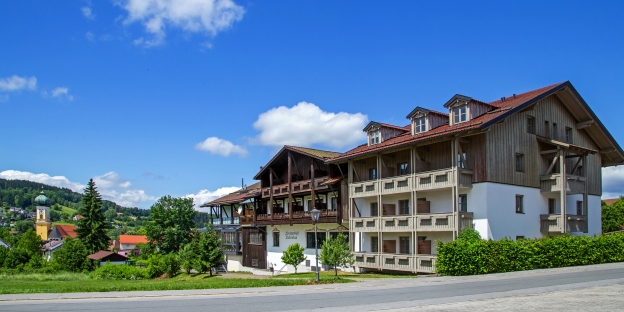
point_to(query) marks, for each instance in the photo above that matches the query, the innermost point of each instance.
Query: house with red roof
(128, 243)
(525, 165)
(60, 232)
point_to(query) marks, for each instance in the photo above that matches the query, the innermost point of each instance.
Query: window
(579, 208)
(374, 210)
(403, 207)
(372, 173)
(374, 137)
(374, 244)
(403, 169)
(519, 203)
(420, 125)
(460, 114)
(334, 203)
(276, 236)
(552, 206)
(310, 239)
(547, 129)
(255, 238)
(404, 245)
(519, 237)
(463, 203)
(520, 162)
(531, 124)
(554, 133)
(228, 237)
(568, 135)
(460, 160)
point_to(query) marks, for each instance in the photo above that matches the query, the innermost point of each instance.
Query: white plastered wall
(440, 200)
(363, 204)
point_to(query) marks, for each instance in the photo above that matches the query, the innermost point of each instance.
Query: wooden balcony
(439, 222)
(425, 263)
(370, 224)
(435, 179)
(397, 223)
(551, 223)
(399, 262)
(552, 183)
(297, 187)
(297, 217)
(364, 189)
(246, 219)
(398, 184)
(367, 260)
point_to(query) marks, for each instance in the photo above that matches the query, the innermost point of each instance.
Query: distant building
(104, 257)
(43, 216)
(48, 248)
(127, 244)
(77, 217)
(60, 232)
(610, 201)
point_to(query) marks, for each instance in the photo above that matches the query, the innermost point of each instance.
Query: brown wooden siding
(388, 133)
(477, 109)
(391, 161)
(506, 139)
(476, 156)
(437, 155)
(254, 255)
(435, 120)
(362, 167)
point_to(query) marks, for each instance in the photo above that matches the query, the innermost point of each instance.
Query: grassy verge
(77, 282)
(341, 274)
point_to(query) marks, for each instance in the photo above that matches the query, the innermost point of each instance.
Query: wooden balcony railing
(551, 223)
(297, 187)
(425, 263)
(397, 224)
(552, 183)
(398, 184)
(436, 222)
(397, 262)
(367, 260)
(364, 224)
(434, 179)
(363, 189)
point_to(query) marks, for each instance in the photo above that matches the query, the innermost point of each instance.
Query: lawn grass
(341, 274)
(78, 282)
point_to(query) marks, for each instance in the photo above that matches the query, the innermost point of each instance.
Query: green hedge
(475, 256)
(119, 272)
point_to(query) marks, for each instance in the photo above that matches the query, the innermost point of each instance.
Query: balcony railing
(363, 189)
(425, 264)
(436, 222)
(551, 223)
(367, 260)
(552, 183)
(397, 224)
(398, 184)
(295, 217)
(364, 224)
(434, 179)
(398, 262)
(296, 187)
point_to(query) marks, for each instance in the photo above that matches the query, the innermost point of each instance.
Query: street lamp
(315, 214)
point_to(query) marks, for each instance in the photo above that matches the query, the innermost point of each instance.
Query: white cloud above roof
(217, 146)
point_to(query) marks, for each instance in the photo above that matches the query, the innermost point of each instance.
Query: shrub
(612, 216)
(72, 256)
(468, 257)
(119, 272)
(469, 234)
(157, 265)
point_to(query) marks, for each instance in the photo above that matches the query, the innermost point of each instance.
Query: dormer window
(374, 137)
(460, 114)
(420, 125)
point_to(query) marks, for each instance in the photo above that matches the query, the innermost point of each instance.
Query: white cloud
(217, 146)
(612, 182)
(195, 16)
(110, 185)
(89, 36)
(306, 124)
(16, 83)
(87, 12)
(62, 93)
(205, 196)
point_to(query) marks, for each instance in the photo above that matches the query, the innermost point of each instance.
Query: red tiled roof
(66, 230)
(132, 239)
(480, 122)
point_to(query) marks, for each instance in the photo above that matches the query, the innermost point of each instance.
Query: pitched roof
(236, 197)
(132, 239)
(315, 153)
(66, 230)
(610, 201)
(503, 109)
(103, 255)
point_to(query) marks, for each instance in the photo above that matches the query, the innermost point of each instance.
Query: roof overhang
(373, 125)
(417, 110)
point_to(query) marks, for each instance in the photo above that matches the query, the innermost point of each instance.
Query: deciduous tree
(172, 223)
(209, 253)
(335, 252)
(293, 255)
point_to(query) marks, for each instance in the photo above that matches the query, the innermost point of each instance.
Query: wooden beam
(552, 165)
(564, 181)
(577, 164)
(549, 151)
(312, 186)
(464, 140)
(290, 198)
(607, 150)
(584, 124)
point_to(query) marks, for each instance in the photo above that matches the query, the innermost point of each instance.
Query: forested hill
(20, 193)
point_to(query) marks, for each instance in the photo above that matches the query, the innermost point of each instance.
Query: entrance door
(254, 248)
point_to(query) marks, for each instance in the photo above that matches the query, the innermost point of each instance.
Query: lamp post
(315, 214)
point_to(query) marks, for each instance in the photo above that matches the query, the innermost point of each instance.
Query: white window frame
(420, 124)
(460, 114)
(375, 137)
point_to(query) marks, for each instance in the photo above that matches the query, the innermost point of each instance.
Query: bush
(119, 272)
(157, 265)
(612, 216)
(468, 257)
(72, 256)
(469, 234)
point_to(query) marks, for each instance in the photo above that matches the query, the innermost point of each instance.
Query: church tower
(43, 216)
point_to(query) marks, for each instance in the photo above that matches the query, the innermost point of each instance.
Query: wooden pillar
(349, 182)
(255, 211)
(564, 183)
(454, 188)
(585, 193)
(312, 186)
(232, 213)
(290, 198)
(270, 193)
(211, 214)
(220, 215)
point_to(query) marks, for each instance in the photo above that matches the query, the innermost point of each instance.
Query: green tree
(72, 256)
(31, 242)
(110, 214)
(335, 252)
(293, 255)
(172, 221)
(187, 257)
(23, 226)
(469, 234)
(92, 228)
(209, 253)
(612, 216)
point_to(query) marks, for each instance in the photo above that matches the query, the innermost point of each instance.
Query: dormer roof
(424, 111)
(374, 124)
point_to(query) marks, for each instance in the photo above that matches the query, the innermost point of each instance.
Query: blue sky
(179, 98)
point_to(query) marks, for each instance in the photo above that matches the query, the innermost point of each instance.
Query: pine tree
(91, 229)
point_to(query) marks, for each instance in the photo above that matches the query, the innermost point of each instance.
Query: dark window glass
(404, 245)
(334, 203)
(547, 129)
(255, 238)
(579, 208)
(463, 203)
(374, 244)
(403, 169)
(404, 207)
(531, 124)
(374, 210)
(310, 239)
(372, 173)
(552, 208)
(568, 135)
(276, 236)
(519, 204)
(520, 162)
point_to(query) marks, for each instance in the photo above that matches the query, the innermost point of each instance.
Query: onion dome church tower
(43, 216)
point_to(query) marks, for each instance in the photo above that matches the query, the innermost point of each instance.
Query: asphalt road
(384, 294)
